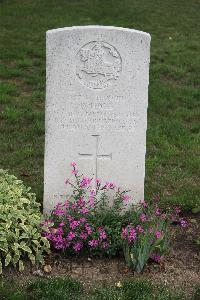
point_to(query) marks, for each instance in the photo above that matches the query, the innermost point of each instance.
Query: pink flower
(93, 243)
(80, 202)
(88, 229)
(75, 172)
(143, 217)
(126, 198)
(58, 205)
(70, 218)
(70, 236)
(67, 203)
(105, 245)
(78, 246)
(177, 210)
(59, 212)
(156, 258)
(158, 234)
(58, 239)
(84, 211)
(73, 164)
(103, 235)
(82, 220)
(92, 193)
(98, 181)
(143, 203)
(62, 224)
(164, 216)
(110, 185)
(73, 206)
(100, 228)
(59, 245)
(140, 228)
(158, 212)
(83, 235)
(151, 230)
(85, 181)
(132, 235)
(74, 224)
(183, 223)
(91, 202)
(124, 233)
(60, 230)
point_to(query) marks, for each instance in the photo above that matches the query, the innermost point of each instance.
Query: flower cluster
(131, 233)
(69, 228)
(156, 258)
(92, 219)
(72, 225)
(147, 236)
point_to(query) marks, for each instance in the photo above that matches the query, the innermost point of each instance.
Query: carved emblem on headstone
(98, 65)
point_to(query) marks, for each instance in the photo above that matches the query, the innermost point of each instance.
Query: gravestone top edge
(72, 28)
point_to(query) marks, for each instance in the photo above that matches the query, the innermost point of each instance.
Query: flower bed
(95, 220)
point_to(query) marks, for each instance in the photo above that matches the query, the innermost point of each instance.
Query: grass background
(173, 125)
(70, 289)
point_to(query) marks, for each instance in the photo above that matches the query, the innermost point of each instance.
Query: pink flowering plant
(147, 236)
(86, 221)
(93, 219)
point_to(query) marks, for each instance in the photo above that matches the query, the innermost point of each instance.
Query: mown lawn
(173, 128)
(70, 289)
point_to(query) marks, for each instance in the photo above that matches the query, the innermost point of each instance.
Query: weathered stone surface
(96, 107)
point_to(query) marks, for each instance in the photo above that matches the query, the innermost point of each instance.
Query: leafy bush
(20, 218)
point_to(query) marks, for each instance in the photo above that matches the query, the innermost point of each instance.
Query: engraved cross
(95, 156)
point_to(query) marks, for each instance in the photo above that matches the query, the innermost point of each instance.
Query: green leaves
(198, 243)
(7, 259)
(21, 265)
(3, 247)
(8, 224)
(16, 257)
(196, 210)
(32, 258)
(20, 231)
(26, 248)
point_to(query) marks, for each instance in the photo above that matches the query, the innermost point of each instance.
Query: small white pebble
(38, 273)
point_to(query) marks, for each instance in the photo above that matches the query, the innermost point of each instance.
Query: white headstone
(96, 107)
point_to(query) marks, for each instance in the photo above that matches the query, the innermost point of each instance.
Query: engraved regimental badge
(98, 65)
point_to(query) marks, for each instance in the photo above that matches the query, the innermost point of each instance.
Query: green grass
(173, 128)
(69, 289)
